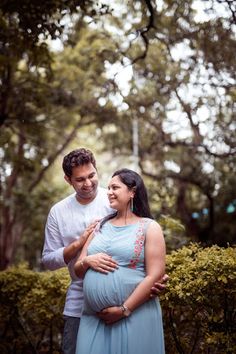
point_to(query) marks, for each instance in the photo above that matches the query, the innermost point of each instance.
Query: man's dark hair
(75, 158)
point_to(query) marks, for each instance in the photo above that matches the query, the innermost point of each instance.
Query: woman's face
(118, 194)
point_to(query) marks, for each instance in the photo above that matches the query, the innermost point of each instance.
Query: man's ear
(67, 179)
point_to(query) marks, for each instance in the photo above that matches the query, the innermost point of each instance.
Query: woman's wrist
(84, 263)
(80, 267)
(125, 310)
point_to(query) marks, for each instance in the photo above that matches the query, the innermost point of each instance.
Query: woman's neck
(125, 218)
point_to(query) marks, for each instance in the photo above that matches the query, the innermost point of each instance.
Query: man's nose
(87, 182)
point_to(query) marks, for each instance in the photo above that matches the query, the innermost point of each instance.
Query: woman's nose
(109, 192)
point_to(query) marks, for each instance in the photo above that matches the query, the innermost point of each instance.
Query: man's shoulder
(61, 204)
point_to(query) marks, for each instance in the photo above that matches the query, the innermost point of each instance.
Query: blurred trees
(181, 96)
(45, 99)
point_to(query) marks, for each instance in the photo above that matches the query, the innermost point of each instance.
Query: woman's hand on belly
(101, 262)
(111, 315)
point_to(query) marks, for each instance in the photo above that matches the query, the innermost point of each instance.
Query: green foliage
(183, 96)
(31, 308)
(174, 232)
(34, 212)
(199, 304)
(45, 102)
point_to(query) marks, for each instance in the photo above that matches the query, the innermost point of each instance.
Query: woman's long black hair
(140, 201)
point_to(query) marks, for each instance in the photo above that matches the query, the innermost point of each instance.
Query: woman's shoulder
(145, 223)
(153, 228)
(148, 221)
(151, 224)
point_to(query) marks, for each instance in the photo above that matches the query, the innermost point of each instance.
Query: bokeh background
(148, 85)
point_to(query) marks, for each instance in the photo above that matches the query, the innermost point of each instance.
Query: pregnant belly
(105, 290)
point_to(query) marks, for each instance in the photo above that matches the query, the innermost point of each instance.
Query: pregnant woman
(119, 317)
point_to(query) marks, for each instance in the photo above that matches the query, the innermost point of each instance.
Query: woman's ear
(133, 191)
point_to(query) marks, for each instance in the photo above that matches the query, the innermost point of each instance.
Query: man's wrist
(77, 245)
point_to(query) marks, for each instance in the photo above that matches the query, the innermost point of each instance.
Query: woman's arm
(155, 252)
(101, 262)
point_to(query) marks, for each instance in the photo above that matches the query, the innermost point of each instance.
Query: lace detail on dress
(138, 244)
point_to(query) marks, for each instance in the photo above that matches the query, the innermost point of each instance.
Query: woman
(119, 317)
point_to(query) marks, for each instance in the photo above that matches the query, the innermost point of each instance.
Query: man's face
(84, 180)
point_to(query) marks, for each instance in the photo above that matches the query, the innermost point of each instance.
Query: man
(69, 223)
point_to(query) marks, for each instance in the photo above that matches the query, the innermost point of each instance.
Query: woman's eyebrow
(113, 185)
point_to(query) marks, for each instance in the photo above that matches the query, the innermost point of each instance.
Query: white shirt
(66, 222)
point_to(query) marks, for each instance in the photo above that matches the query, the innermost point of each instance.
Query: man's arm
(55, 254)
(52, 255)
(72, 250)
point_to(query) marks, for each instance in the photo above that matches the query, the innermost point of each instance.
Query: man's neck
(85, 201)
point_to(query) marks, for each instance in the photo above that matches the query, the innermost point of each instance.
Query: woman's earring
(132, 204)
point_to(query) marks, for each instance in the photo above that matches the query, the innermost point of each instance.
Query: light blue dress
(142, 331)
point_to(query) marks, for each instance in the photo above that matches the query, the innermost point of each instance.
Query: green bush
(198, 306)
(31, 310)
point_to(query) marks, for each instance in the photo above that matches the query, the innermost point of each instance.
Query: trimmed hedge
(31, 305)
(199, 305)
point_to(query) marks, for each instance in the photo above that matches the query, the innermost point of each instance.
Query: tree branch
(143, 31)
(207, 150)
(176, 176)
(53, 157)
(231, 6)
(188, 110)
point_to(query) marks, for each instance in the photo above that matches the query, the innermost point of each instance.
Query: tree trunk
(183, 211)
(11, 232)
